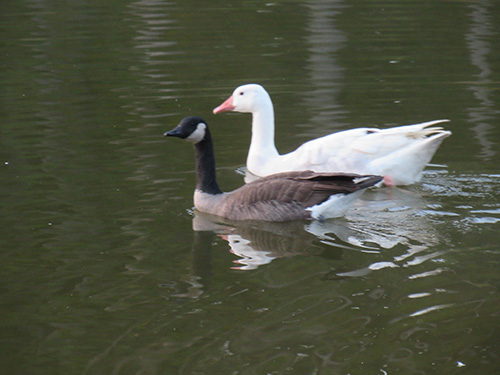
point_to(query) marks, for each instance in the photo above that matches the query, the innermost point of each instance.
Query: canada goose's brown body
(278, 197)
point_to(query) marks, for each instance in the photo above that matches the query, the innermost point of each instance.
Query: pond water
(105, 267)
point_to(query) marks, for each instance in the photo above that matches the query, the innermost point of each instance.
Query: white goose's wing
(317, 154)
(401, 152)
(383, 142)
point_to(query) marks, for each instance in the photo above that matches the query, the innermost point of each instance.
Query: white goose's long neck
(262, 147)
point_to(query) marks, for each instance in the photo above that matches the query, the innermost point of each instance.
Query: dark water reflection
(105, 269)
(480, 49)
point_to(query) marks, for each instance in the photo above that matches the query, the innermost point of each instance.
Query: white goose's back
(401, 153)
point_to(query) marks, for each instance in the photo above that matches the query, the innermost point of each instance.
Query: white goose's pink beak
(225, 107)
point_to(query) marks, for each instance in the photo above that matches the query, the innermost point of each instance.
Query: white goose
(279, 197)
(399, 154)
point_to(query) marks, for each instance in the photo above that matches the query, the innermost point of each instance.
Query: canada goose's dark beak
(176, 132)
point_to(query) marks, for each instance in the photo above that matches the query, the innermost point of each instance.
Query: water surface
(106, 269)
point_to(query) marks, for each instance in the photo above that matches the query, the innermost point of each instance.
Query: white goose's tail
(405, 166)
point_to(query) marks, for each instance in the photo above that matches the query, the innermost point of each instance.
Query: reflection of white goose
(380, 222)
(400, 153)
(250, 258)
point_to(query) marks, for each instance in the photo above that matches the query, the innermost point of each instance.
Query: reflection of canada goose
(257, 243)
(279, 197)
(400, 153)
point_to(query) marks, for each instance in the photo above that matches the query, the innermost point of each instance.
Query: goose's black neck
(205, 166)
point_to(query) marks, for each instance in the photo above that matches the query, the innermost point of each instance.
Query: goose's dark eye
(242, 93)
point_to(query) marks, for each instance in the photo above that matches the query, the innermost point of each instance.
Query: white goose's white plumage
(400, 153)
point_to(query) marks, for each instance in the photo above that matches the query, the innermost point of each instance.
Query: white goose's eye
(242, 93)
(198, 134)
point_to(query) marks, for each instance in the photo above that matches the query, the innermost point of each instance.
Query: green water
(106, 270)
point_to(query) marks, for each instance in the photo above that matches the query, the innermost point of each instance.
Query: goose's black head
(192, 129)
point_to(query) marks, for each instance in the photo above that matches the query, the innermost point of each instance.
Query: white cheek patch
(198, 134)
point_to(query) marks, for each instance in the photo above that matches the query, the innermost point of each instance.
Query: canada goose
(279, 197)
(400, 153)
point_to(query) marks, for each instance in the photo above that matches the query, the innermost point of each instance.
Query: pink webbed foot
(388, 181)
